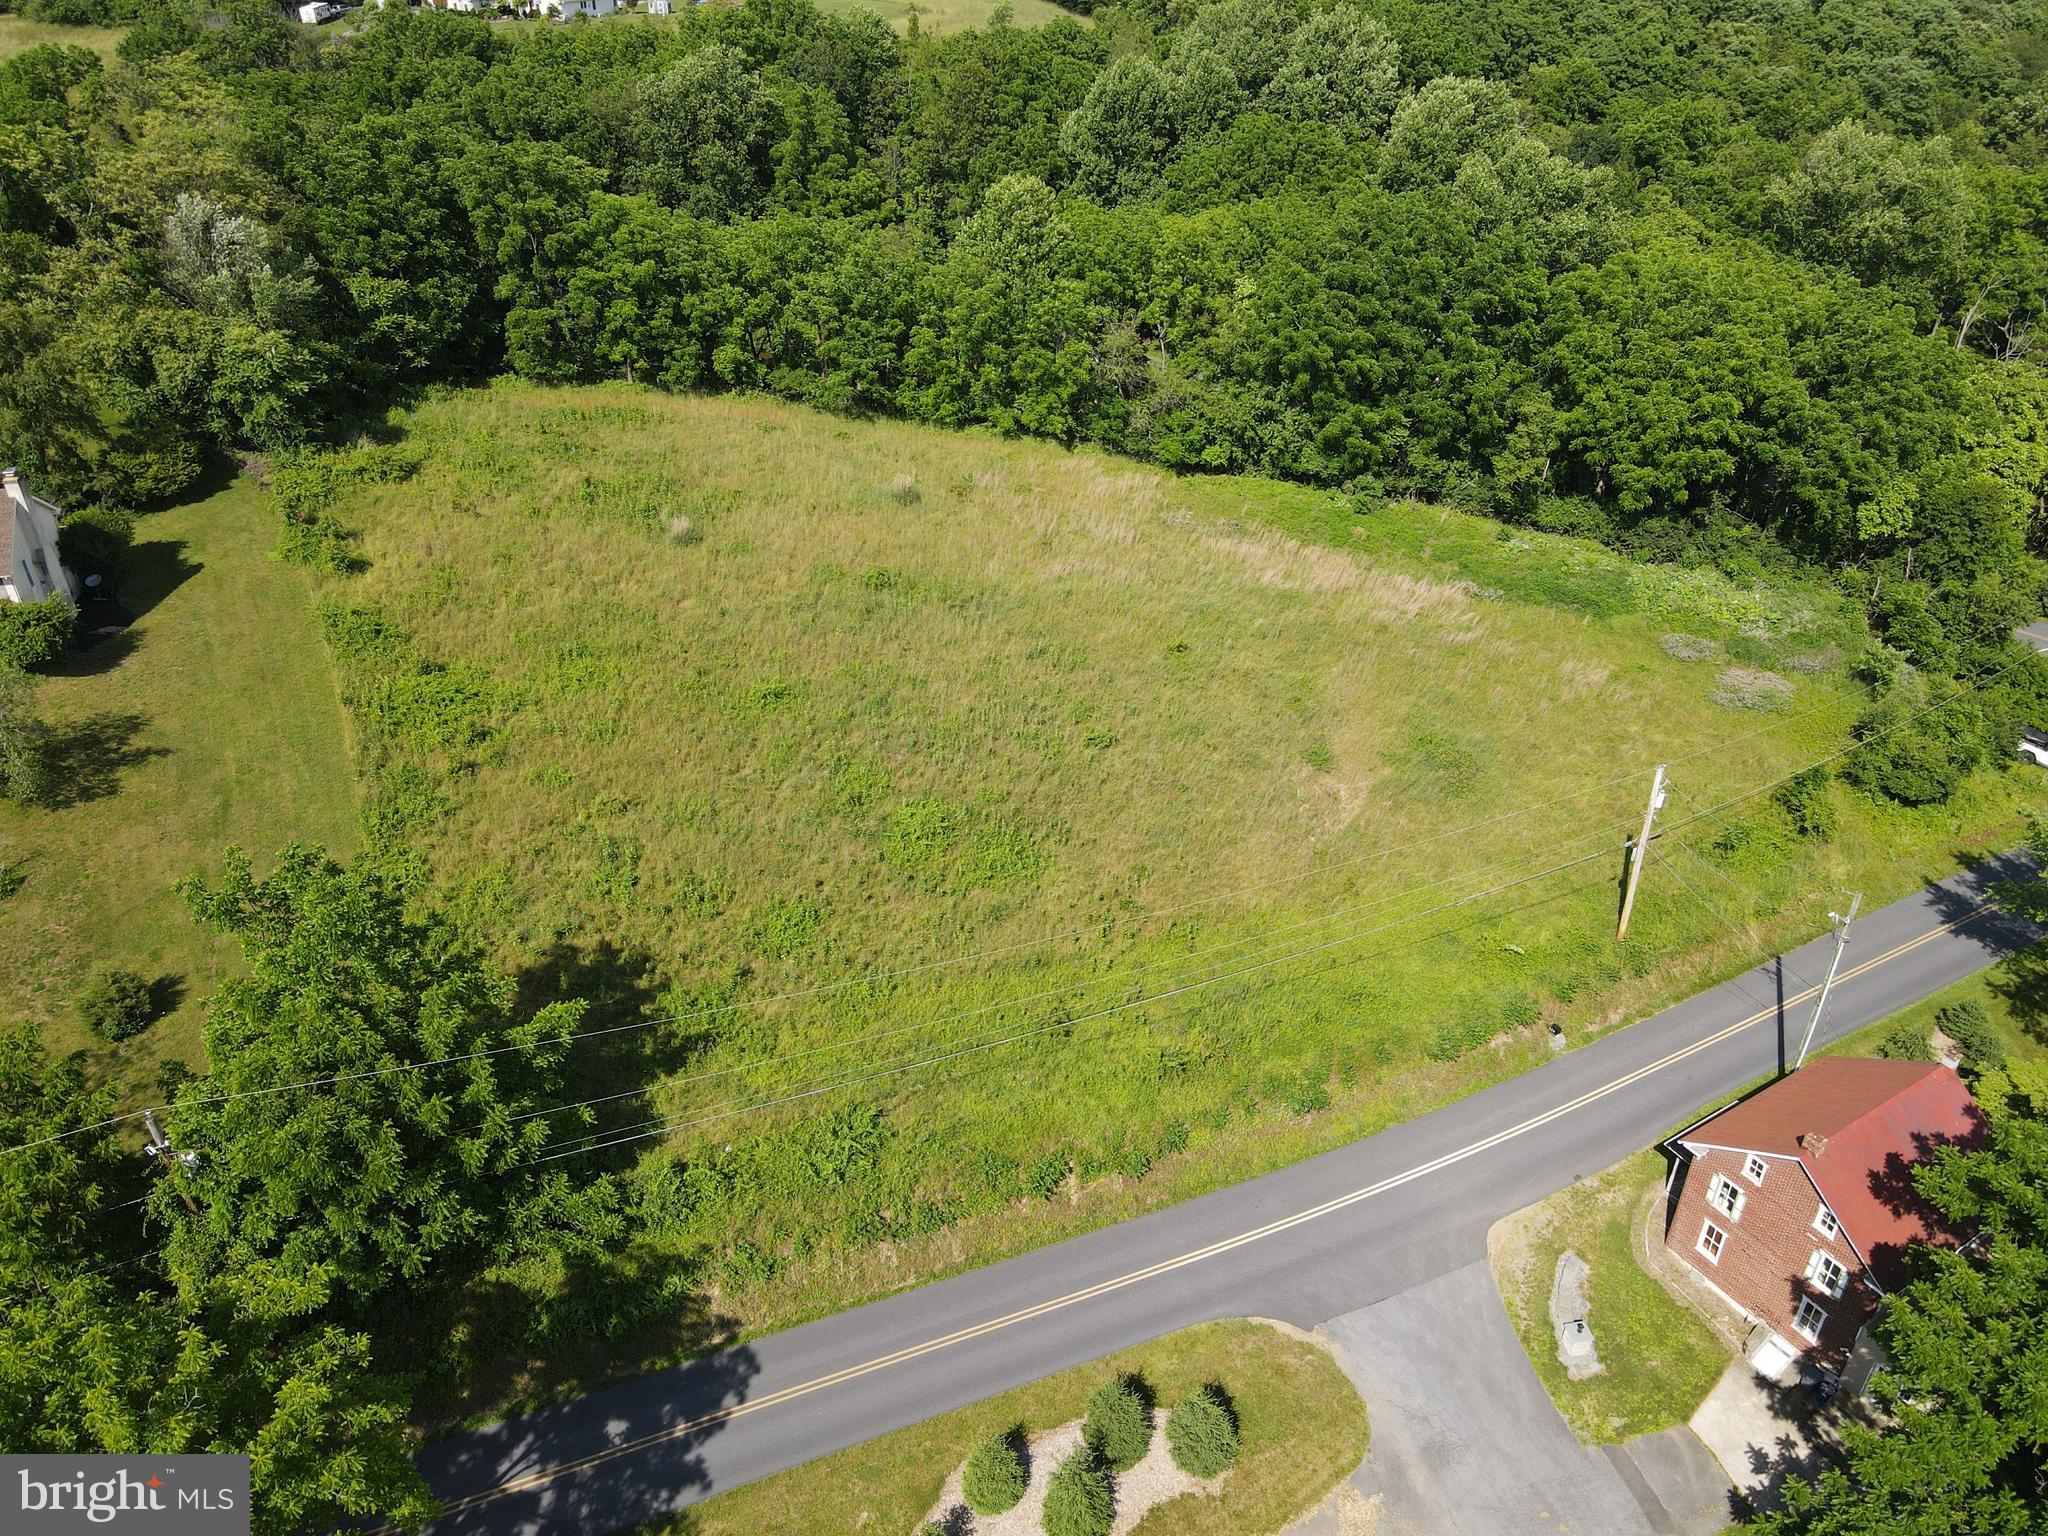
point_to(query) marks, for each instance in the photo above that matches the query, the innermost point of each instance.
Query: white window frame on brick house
(1711, 1252)
(1821, 1265)
(1731, 1206)
(1755, 1169)
(1808, 1307)
(1826, 1223)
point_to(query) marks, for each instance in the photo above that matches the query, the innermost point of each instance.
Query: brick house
(1796, 1205)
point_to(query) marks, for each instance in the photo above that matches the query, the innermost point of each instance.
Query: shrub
(1202, 1434)
(1078, 1501)
(1046, 1175)
(1806, 801)
(32, 634)
(995, 1476)
(1906, 1042)
(1118, 1428)
(116, 1005)
(1968, 1023)
(1916, 758)
(94, 541)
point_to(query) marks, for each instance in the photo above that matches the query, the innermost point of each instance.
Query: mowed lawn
(1213, 821)
(1302, 1428)
(213, 720)
(18, 34)
(1661, 1360)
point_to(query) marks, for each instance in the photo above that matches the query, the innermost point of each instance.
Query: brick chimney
(1812, 1144)
(11, 477)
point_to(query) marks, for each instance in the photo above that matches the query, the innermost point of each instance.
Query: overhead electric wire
(336, 1079)
(1264, 937)
(641, 1134)
(864, 979)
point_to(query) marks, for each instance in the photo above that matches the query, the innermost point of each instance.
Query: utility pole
(1841, 943)
(160, 1145)
(1639, 852)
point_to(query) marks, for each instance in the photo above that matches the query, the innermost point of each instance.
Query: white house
(658, 7)
(462, 5)
(569, 10)
(318, 11)
(29, 568)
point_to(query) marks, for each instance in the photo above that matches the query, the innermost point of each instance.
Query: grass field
(1303, 1428)
(1660, 1359)
(18, 34)
(686, 705)
(213, 720)
(939, 17)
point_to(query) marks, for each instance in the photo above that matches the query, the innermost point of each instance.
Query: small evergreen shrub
(116, 1005)
(995, 1476)
(1078, 1501)
(1969, 1025)
(1118, 1428)
(1202, 1434)
(1907, 1042)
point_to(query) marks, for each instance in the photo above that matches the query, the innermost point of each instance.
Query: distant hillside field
(18, 34)
(684, 704)
(940, 17)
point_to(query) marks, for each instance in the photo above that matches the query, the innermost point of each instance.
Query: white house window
(1827, 1273)
(1755, 1169)
(1824, 1222)
(1809, 1320)
(1724, 1197)
(1712, 1241)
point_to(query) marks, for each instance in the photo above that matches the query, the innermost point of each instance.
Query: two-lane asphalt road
(1324, 1237)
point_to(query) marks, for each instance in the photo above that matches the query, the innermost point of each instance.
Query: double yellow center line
(527, 1482)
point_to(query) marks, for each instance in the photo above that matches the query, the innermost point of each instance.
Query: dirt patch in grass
(1661, 1360)
(1303, 1428)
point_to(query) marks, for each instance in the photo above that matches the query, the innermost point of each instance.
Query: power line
(1264, 937)
(600, 1141)
(337, 1079)
(1055, 1024)
(639, 1134)
(865, 979)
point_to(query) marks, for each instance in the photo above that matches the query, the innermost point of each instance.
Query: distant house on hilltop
(29, 568)
(1797, 1205)
(569, 10)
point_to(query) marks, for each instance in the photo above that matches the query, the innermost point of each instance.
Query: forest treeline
(1751, 284)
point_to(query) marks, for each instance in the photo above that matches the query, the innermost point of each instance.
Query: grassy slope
(939, 17)
(1661, 1360)
(900, 694)
(212, 721)
(18, 34)
(1303, 1429)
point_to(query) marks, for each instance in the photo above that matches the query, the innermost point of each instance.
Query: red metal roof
(1858, 1126)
